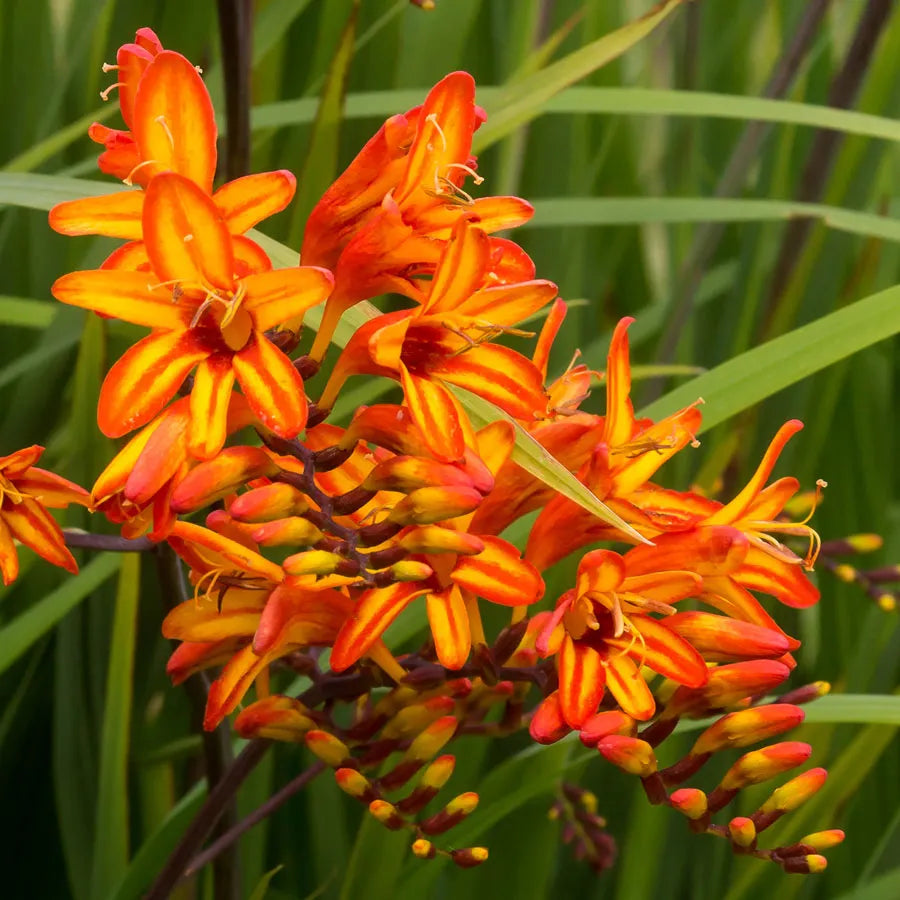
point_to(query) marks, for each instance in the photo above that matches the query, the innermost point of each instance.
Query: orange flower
(25, 491)
(387, 217)
(447, 340)
(202, 315)
(606, 633)
(165, 102)
(246, 610)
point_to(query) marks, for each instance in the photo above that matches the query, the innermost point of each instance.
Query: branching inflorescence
(405, 506)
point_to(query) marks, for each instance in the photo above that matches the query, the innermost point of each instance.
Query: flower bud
(432, 739)
(313, 562)
(806, 693)
(631, 755)
(292, 531)
(795, 792)
(437, 539)
(269, 502)
(600, 725)
(452, 814)
(742, 831)
(748, 726)
(331, 750)
(410, 570)
(387, 814)
(469, 857)
(761, 765)
(805, 865)
(354, 783)
(423, 849)
(435, 504)
(275, 717)
(220, 476)
(414, 718)
(690, 802)
(721, 638)
(408, 473)
(823, 840)
(548, 724)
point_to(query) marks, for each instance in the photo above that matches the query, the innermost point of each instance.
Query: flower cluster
(319, 537)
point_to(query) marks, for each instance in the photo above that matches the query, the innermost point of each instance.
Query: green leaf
(554, 213)
(17, 636)
(25, 312)
(33, 191)
(263, 884)
(112, 829)
(522, 100)
(747, 379)
(535, 459)
(885, 887)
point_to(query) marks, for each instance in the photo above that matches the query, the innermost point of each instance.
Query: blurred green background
(696, 181)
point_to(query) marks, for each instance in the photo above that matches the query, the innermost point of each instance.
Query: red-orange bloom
(202, 316)
(447, 341)
(606, 633)
(165, 102)
(25, 491)
(386, 218)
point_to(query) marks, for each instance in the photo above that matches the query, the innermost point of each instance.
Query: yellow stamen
(165, 125)
(129, 178)
(104, 94)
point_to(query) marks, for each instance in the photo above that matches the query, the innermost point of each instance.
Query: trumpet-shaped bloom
(387, 217)
(25, 492)
(167, 106)
(447, 341)
(602, 631)
(202, 316)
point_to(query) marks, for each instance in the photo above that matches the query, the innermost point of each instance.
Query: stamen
(187, 238)
(478, 179)
(108, 67)
(432, 117)
(162, 121)
(104, 94)
(129, 178)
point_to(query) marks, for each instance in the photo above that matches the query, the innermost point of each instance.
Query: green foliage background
(624, 158)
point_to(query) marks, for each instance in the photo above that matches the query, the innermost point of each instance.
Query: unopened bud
(600, 725)
(432, 739)
(387, 814)
(469, 857)
(807, 693)
(331, 750)
(275, 717)
(865, 543)
(547, 724)
(748, 726)
(795, 792)
(409, 473)
(410, 570)
(423, 849)
(805, 865)
(412, 719)
(437, 539)
(630, 754)
(823, 840)
(292, 531)
(761, 765)
(452, 814)
(354, 783)
(438, 772)
(887, 602)
(435, 504)
(313, 562)
(269, 502)
(742, 831)
(721, 638)
(220, 476)
(690, 802)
